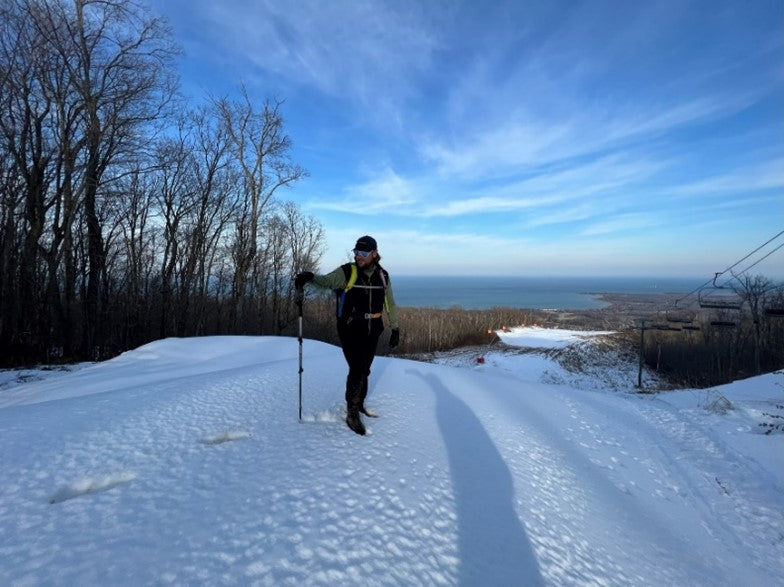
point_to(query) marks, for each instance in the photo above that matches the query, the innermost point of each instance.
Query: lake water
(563, 293)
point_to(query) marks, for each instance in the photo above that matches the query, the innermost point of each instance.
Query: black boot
(368, 412)
(353, 421)
(362, 395)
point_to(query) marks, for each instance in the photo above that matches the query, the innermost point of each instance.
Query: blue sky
(546, 137)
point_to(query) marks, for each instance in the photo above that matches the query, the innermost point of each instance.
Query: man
(364, 293)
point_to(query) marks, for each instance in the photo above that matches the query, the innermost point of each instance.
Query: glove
(302, 278)
(394, 338)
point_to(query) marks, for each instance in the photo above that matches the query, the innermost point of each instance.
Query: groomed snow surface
(184, 462)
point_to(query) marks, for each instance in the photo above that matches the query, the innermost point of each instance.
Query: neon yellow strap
(353, 278)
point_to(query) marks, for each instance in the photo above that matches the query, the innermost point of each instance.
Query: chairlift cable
(731, 267)
(761, 259)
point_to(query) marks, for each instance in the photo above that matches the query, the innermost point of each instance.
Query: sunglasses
(363, 254)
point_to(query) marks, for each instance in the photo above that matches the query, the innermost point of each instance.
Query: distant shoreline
(620, 310)
(642, 301)
(613, 302)
(477, 293)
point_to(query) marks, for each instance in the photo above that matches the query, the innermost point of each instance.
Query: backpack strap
(352, 279)
(384, 278)
(350, 271)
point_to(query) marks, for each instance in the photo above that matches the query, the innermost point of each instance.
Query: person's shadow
(494, 549)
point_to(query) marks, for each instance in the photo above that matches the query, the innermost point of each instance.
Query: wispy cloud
(424, 197)
(363, 53)
(488, 204)
(387, 192)
(554, 187)
(764, 176)
(511, 145)
(622, 223)
(563, 215)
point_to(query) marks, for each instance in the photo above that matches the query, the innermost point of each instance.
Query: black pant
(359, 348)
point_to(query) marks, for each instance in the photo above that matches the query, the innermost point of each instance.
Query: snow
(539, 337)
(184, 462)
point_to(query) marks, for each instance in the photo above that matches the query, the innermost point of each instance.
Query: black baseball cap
(366, 243)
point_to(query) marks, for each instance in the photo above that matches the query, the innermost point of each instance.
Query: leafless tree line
(125, 217)
(724, 344)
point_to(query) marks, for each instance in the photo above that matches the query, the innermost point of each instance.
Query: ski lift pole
(299, 299)
(642, 347)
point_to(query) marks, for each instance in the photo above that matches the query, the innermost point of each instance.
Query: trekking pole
(299, 299)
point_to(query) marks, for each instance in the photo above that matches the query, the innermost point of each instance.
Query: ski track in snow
(559, 450)
(208, 478)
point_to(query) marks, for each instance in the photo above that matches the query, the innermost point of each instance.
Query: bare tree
(306, 238)
(115, 59)
(138, 245)
(176, 199)
(11, 202)
(753, 290)
(260, 148)
(32, 123)
(207, 221)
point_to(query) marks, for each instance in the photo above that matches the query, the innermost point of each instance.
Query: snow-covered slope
(184, 462)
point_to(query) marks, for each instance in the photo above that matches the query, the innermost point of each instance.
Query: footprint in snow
(90, 485)
(226, 437)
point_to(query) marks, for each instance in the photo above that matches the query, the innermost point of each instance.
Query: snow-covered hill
(184, 462)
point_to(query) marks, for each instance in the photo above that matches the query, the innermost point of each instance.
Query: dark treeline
(126, 216)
